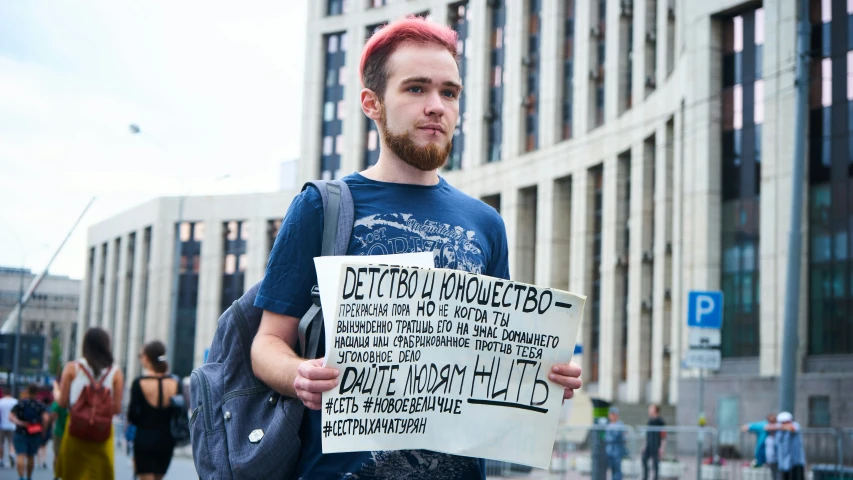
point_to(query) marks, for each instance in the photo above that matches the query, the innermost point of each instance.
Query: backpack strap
(338, 217)
(89, 375)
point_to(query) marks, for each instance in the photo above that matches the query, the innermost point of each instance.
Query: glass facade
(235, 238)
(531, 64)
(830, 200)
(192, 234)
(459, 16)
(494, 122)
(568, 65)
(597, 182)
(333, 105)
(743, 115)
(337, 7)
(599, 35)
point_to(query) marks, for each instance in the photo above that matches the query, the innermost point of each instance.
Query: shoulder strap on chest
(338, 218)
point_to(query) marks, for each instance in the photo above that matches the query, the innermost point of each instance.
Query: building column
(581, 255)
(509, 212)
(545, 241)
(550, 73)
(257, 253)
(137, 303)
(640, 307)
(312, 100)
(477, 84)
(611, 64)
(162, 279)
(209, 287)
(514, 43)
(662, 271)
(355, 122)
(87, 287)
(610, 338)
(584, 93)
(679, 292)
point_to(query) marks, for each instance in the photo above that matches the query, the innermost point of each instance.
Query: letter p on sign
(705, 309)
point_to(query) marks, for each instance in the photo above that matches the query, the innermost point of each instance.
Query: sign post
(704, 321)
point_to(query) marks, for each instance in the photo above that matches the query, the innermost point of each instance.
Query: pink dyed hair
(378, 49)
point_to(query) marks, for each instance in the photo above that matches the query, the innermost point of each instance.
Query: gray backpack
(242, 429)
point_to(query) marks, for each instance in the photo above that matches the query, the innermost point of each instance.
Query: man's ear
(371, 105)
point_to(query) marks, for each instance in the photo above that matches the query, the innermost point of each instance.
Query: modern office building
(129, 289)
(637, 150)
(51, 310)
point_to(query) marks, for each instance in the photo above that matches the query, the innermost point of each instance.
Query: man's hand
(312, 379)
(567, 375)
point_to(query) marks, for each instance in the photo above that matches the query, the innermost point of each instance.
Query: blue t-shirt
(462, 232)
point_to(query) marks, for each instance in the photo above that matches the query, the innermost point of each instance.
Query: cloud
(215, 89)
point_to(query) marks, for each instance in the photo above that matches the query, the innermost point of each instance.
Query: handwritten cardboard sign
(445, 360)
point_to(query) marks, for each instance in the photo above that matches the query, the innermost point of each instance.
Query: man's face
(613, 417)
(421, 105)
(652, 412)
(771, 418)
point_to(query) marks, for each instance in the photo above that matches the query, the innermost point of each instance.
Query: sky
(215, 88)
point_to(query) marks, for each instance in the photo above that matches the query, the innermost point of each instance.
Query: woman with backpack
(151, 413)
(91, 388)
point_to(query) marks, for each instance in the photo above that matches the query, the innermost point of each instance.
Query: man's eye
(449, 94)
(416, 89)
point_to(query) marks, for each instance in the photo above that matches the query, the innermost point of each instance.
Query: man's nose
(435, 104)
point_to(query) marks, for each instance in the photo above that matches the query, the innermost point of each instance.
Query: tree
(55, 361)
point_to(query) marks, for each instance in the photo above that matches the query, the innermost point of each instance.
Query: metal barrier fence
(700, 453)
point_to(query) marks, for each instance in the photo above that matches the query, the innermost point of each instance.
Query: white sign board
(709, 359)
(703, 337)
(447, 361)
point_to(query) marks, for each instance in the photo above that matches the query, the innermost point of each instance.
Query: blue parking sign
(705, 309)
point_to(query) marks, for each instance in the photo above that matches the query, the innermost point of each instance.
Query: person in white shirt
(7, 428)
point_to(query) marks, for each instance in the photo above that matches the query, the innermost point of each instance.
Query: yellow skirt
(82, 460)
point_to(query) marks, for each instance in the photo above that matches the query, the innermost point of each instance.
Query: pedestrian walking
(150, 413)
(614, 443)
(655, 442)
(91, 389)
(30, 419)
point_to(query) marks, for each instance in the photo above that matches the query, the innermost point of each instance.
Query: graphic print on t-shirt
(390, 233)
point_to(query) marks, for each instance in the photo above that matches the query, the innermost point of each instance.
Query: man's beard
(426, 158)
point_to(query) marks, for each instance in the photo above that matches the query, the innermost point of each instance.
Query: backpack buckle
(315, 295)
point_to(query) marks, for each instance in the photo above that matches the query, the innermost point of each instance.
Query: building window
(624, 216)
(494, 114)
(530, 62)
(598, 44)
(459, 15)
(741, 172)
(333, 96)
(597, 177)
(830, 326)
(651, 45)
(819, 416)
(337, 7)
(626, 55)
(191, 235)
(568, 65)
(376, 3)
(235, 238)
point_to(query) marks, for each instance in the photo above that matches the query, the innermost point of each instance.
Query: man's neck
(389, 168)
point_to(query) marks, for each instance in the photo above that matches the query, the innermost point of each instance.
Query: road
(180, 469)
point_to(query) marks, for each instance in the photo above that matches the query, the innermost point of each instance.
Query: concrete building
(129, 289)
(636, 150)
(51, 311)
